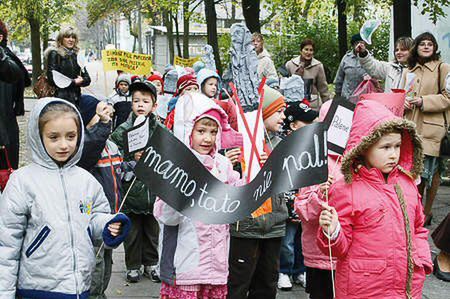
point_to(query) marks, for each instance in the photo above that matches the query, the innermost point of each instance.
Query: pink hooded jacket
(308, 207)
(382, 247)
(192, 252)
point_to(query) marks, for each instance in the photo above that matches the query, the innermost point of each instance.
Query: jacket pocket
(366, 273)
(371, 218)
(38, 240)
(433, 127)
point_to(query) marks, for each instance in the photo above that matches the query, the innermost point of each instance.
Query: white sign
(138, 137)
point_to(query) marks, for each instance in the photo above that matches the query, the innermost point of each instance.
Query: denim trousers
(291, 257)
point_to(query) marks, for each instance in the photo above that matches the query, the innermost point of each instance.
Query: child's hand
(407, 105)
(114, 228)
(328, 219)
(263, 155)
(104, 111)
(78, 80)
(324, 187)
(138, 155)
(233, 155)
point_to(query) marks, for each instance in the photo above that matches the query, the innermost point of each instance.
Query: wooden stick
(329, 251)
(120, 208)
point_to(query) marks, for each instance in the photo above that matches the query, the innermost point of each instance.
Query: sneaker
(150, 272)
(284, 282)
(133, 276)
(300, 279)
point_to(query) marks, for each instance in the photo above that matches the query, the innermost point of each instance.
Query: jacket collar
(314, 62)
(431, 65)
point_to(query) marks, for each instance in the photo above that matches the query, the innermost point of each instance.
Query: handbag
(5, 173)
(42, 88)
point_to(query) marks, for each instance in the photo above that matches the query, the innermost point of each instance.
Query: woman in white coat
(390, 72)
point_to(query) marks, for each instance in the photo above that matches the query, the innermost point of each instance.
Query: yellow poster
(185, 62)
(132, 63)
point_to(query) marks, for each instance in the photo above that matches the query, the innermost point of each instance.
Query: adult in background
(390, 72)
(307, 67)
(427, 105)
(441, 238)
(13, 80)
(63, 59)
(266, 68)
(350, 73)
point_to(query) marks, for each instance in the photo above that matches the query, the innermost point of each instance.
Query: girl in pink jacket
(375, 218)
(194, 255)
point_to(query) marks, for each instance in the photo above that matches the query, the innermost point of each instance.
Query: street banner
(136, 64)
(174, 173)
(338, 122)
(394, 101)
(185, 62)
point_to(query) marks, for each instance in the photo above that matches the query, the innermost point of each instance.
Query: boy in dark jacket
(141, 245)
(256, 241)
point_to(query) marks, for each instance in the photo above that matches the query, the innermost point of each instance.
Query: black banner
(173, 172)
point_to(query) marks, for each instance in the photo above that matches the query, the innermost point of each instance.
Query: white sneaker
(301, 279)
(284, 282)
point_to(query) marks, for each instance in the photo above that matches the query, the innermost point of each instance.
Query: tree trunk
(35, 47)
(251, 10)
(211, 27)
(169, 25)
(177, 36)
(186, 16)
(305, 11)
(402, 18)
(342, 27)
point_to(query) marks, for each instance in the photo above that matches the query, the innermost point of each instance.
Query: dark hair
(4, 32)
(307, 42)
(414, 55)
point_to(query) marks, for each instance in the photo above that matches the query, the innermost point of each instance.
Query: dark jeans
(319, 284)
(254, 265)
(141, 244)
(291, 257)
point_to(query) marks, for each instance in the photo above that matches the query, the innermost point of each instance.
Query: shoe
(284, 282)
(300, 279)
(133, 276)
(445, 276)
(150, 272)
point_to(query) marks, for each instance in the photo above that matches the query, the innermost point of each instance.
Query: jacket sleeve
(270, 70)
(322, 85)
(52, 64)
(101, 212)
(340, 199)
(9, 71)
(438, 102)
(13, 222)
(86, 78)
(422, 248)
(339, 79)
(94, 143)
(375, 68)
(165, 214)
(307, 205)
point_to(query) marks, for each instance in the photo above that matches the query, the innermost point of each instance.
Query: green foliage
(224, 49)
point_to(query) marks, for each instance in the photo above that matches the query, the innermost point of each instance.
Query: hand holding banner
(172, 171)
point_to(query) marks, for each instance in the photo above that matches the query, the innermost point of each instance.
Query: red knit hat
(156, 77)
(185, 81)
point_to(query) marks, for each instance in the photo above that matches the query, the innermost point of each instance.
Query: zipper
(69, 219)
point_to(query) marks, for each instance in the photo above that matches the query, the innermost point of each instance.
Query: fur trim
(406, 125)
(60, 51)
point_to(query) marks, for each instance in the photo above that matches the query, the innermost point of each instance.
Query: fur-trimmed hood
(370, 122)
(60, 50)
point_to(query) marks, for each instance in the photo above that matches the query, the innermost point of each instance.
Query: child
(141, 244)
(185, 84)
(308, 207)
(197, 252)
(162, 99)
(381, 246)
(255, 242)
(209, 82)
(106, 166)
(52, 210)
(298, 115)
(121, 100)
